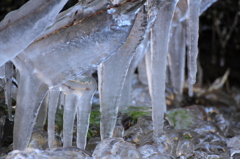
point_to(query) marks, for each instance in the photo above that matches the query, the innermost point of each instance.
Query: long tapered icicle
(112, 74)
(159, 48)
(54, 95)
(42, 114)
(84, 106)
(192, 41)
(8, 88)
(69, 116)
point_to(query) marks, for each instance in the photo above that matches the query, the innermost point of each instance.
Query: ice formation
(159, 37)
(89, 34)
(25, 24)
(112, 74)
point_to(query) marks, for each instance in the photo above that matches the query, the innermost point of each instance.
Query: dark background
(219, 38)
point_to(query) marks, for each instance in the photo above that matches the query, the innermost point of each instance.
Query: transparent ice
(57, 48)
(112, 74)
(159, 49)
(24, 25)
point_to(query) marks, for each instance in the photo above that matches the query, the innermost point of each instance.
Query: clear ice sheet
(112, 74)
(159, 49)
(22, 26)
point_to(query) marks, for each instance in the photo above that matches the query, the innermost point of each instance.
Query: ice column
(112, 74)
(8, 87)
(159, 49)
(22, 26)
(192, 41)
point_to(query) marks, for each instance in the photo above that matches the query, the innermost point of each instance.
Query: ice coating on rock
(72, 15)
(112, 74)
(159, 49)
(8, 87)
(25, 24)
(116, 147)
(192, 40)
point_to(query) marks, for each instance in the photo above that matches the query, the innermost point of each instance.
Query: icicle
(192, 41)
(84, 105)
(8, 88)
(89, 45)
(112, 74)
(54, 98)
(69, 114)
(78, 96)
(139, 55)
(22, 26)
(159, 47)
(177, 53)
(31, 92)
(142, 72)
(42, 114)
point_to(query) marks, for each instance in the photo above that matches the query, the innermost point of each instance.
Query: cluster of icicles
(54, 53)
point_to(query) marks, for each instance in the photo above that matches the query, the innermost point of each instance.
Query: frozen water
(205, 4)
(159, 49)
(8, 88)
(116, 147)
(112, 74)
(24, 25)
(68, 47)
(177, 53)
(84, 108)
(54, 153)
(192, 40)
